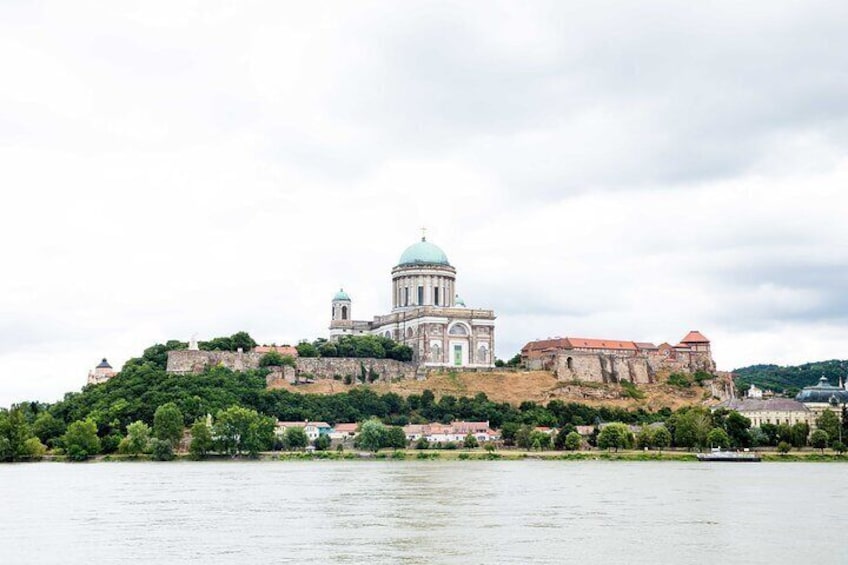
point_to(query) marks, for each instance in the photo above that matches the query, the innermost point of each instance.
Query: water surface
(424, 512)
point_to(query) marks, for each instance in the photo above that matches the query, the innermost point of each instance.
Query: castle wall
(602, 367)
(191, 362)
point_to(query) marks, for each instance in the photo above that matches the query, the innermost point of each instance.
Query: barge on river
(730, 457)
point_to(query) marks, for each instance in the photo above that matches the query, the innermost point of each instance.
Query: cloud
(594, 169)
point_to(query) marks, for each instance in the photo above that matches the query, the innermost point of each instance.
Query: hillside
(533, 386)
(791, 378)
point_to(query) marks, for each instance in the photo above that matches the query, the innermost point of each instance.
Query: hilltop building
(427, 313)
(611, 360)
(101, 373)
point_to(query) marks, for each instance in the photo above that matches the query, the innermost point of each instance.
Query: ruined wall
(329, 367)
(602, 368)
(187, 362)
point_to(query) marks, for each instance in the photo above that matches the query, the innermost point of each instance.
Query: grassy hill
(791, 378)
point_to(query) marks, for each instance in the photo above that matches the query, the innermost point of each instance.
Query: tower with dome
(427, 313)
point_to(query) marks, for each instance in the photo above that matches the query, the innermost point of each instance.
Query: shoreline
(460, 455)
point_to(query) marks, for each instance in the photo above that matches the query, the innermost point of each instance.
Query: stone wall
(602, 368)
(186, 362)
(386, 370)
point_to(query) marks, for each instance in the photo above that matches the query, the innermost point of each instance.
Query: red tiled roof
(694, 337)
(347, 428)
(281, 349)
(579, 342)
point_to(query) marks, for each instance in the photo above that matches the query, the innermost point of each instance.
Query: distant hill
(791, 378)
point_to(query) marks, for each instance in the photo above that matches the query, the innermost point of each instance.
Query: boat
(729, 456)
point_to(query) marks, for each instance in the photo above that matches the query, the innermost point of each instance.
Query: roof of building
(645, 345)
(763, 405)
(823, 392)
(281, 349)
(423, 253)
(341, 295)
(580, 343)
(104, 364)
(346, 427)
(694, 337)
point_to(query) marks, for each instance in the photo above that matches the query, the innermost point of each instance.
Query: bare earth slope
(536, 386)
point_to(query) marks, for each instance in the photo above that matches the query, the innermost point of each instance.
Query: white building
(427, 314)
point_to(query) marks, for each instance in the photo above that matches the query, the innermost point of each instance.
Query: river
(423, 512)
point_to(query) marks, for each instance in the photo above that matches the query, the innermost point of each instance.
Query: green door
(457, 355)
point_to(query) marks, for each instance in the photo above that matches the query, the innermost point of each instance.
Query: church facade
(427, 314)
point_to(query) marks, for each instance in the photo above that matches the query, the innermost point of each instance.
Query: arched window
(388, 335)
(458, 329)
(344, 312)
(570, 363)
(408, 332)
(435, 353)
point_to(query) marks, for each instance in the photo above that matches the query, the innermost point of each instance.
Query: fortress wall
(602, 368)
(329, 367)
(187, 362)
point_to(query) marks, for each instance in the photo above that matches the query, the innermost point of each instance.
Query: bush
(34, 448)
(470, 442)
(680, 380)
(631, 391)
(322, 443)
(783, 447)
(161, 450)
(573, 441)
(422, 443)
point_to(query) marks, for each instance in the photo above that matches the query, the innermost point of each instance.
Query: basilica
(427, 314)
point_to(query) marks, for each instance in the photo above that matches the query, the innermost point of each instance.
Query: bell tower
(341, 318)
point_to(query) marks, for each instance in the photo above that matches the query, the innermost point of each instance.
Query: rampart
(187, 362)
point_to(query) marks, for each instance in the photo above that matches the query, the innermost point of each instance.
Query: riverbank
(474, 455)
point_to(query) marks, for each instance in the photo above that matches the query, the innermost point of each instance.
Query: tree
(372, 435)
(395, 438)
(738, 428)
(470, 442)
(295, 438)
(783, 447)
(48, 428)
(242, 430)
(645, 438)
(838, 447)
(692, 428)
(573, 441)
(819, 439)
(80, 440)
(829, 423)
(306, 349)
(798, 434)
(523, 437)
(661, 438)
(161, 450)
(137, 440)
(201, 439)
(422, 443)
(14, 432)
(34, 448)
(614, 436)
(718, 438)
(271, 359)
(168, 423)
(322, 442)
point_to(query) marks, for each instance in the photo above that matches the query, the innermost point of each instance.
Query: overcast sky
(595, 169)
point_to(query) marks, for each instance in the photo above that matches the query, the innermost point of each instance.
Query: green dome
(341, 295)
(423, 253)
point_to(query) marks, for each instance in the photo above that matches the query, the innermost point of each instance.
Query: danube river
(424, 512)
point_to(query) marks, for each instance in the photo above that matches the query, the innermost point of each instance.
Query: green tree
(271, 359)
(395, 438)
(422, 443)
(523, 437)
(137, 440)
(573, 441)
(838, 447)
(322, 442)
(829, 422)
(161, 450)
(783, 447)
(80, 440)
(201, 439)
(738, 429)
(661, 438)
(798, 434)
(295, 438)
(306, 349)
(242, 430)
(717, 437)
(34, 448)
(48, 428)
(372, 435)
(168, 423)
(470, 442)
(692, 428)
(14, 432)
(819, 439)
(645, 437)
(614, 436)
